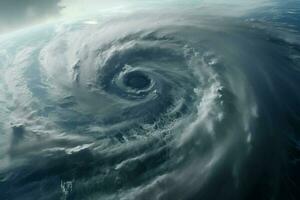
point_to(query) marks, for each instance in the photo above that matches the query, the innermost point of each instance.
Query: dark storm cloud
(16, 14)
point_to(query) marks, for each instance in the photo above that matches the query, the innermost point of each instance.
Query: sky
(17, 14)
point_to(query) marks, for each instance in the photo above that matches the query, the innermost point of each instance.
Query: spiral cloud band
(152, 105)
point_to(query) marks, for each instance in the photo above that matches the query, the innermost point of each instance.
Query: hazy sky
(16, 14)
(19, 13)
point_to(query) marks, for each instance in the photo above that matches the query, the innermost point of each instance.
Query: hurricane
(187, 101)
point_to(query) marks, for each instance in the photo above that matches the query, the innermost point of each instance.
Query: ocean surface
(168, 100)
